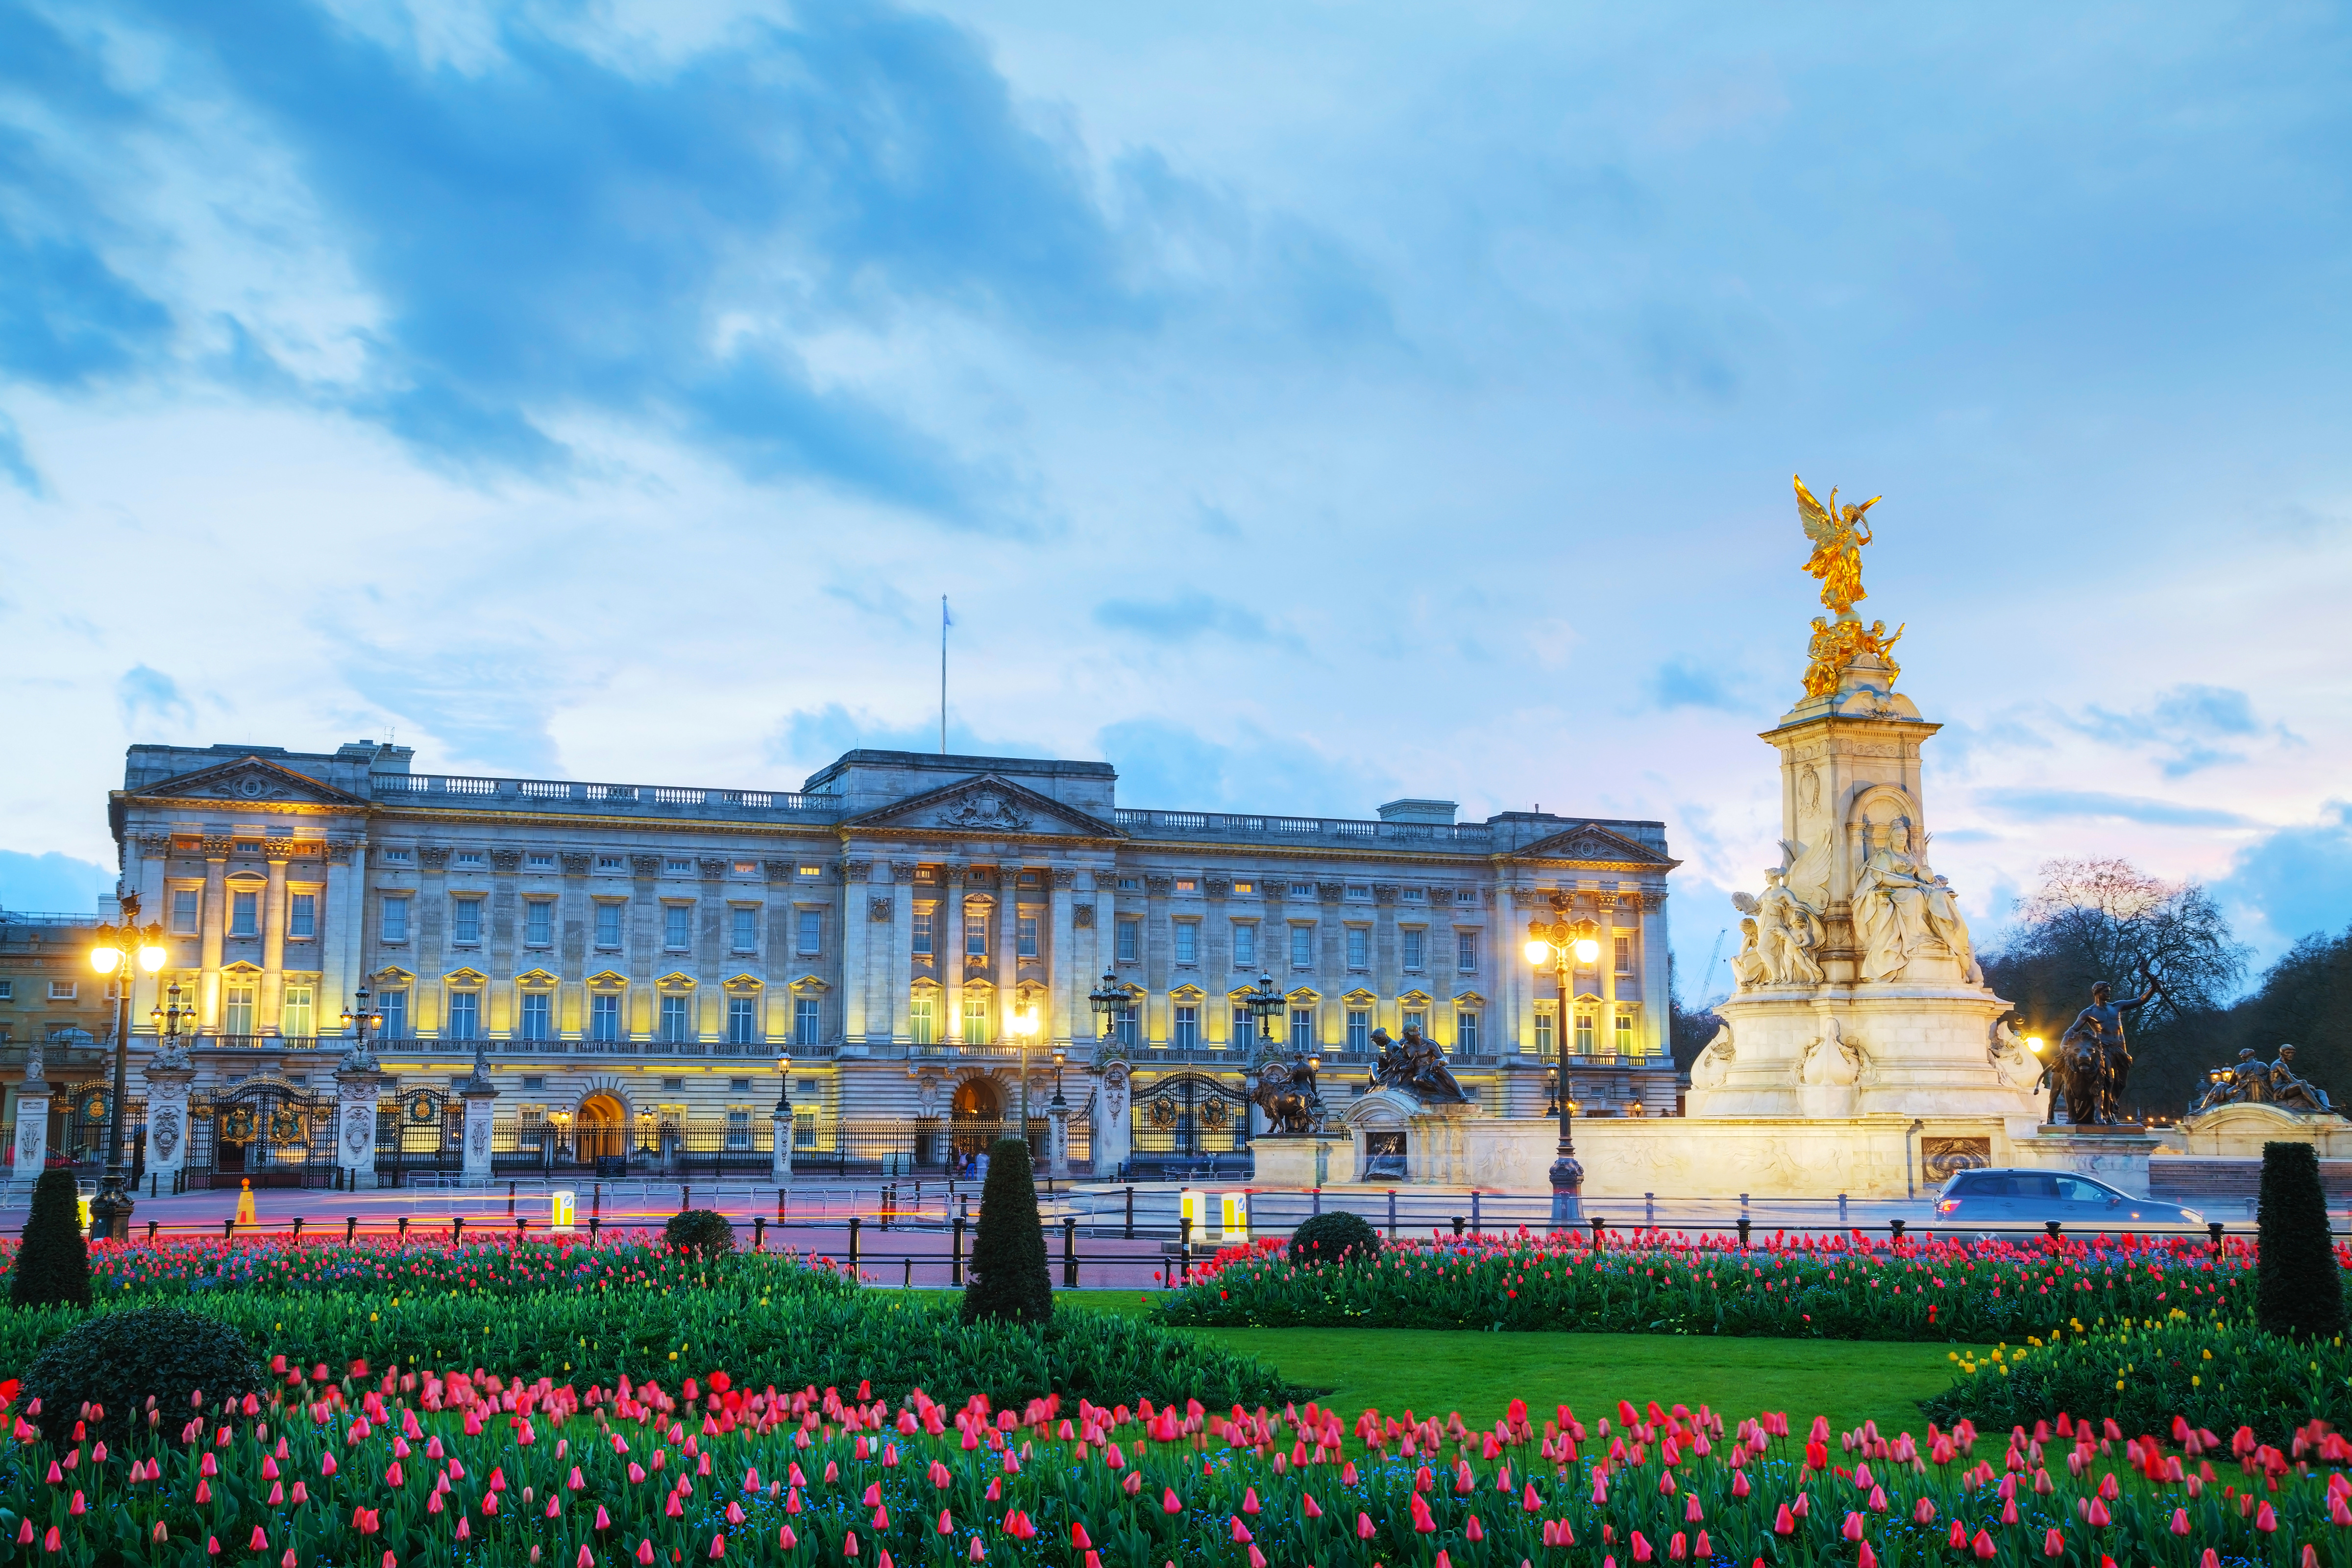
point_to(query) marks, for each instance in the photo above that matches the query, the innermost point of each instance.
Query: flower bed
(2145, 1374)
(497, 1264)
(1786, 1285)
(410, 1466)
(625, 1309)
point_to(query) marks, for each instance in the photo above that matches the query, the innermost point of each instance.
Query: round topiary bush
(705, 1232)
(1334, 1237)
(118, 1359)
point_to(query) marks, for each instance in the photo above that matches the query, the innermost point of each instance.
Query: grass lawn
(1435, 1370)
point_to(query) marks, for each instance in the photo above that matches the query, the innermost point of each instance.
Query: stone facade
(648, 954)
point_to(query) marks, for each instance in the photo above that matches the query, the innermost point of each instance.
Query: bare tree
(2093, 920)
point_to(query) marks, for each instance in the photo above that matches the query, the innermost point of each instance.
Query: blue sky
(1302, 404)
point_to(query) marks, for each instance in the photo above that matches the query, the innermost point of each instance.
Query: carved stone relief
(506, 860)
(877, 908)
(1082, 915)
(856, 871)
(712, 868)
(1065, 878)
(776, 871)
(434, 857)
(576, 862)
(644, 865)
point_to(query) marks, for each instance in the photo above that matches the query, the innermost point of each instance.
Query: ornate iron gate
(1190, 1113)
(264, 1131)
(424, 1130)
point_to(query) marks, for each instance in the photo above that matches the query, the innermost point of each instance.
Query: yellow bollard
(1236, 1217)
(244, 1215)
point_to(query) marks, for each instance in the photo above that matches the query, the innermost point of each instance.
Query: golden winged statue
(1838, 534)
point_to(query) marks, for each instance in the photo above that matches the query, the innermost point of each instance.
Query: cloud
(15, 464)
(1186, 617)
(569, 233)
(1685, 683)
(1168, 766)
(488, 704)
(150, 697)
(2291, 883)
(2042, 804)
(53, 883)
(808, 739)
(2185, 722)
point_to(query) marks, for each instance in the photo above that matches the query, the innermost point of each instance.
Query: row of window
(976, 929)
(545, 860)
(59, 989)
(536, 1019)
(538, 924)
(244, 913)
(1413, 946)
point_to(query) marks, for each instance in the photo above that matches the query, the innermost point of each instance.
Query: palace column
(1006, 960)
(212, 927)
(899, 971)
(947, 945)
(856, 984)
(273, 938)
(342, 922)
(1062, 970)
(1654, 983)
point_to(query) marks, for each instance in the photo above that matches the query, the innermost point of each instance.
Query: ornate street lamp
(1264, 1003)
(126, 950)
(168, 1017)
(1108, 998)
(1563, 943)
(359, 1018)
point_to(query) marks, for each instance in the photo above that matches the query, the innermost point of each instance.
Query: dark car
(2030, 1199)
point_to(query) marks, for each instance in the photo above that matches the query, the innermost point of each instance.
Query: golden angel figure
(1838, 534)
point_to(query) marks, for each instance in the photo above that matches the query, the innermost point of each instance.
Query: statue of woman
(1890, 912)
(1945, 920)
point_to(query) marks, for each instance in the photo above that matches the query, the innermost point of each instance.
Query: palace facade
(635, 962)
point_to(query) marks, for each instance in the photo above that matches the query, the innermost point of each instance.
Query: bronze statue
(2106, 1019)
(1416, 1065)
(2250, 1081)
(2289, 1092)
(2082, 1072)
(1286, 1093)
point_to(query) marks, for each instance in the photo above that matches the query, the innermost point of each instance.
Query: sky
(1300, 405)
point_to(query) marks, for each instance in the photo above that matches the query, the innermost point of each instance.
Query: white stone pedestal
(481, 1097)
(2241, 1131)
(780, 1158)
(357, 1086)
(1110, 1137)
(32, 1139)
(1315, 1160)
(167, 1120)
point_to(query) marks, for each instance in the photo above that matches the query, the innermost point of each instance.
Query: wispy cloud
(1686, 683)
(1187, 616)
(2046, 805)
(150, 698)
(2191, 727)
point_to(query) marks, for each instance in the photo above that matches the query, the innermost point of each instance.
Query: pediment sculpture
(987, 808)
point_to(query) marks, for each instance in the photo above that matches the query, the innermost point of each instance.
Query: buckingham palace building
(906, 950)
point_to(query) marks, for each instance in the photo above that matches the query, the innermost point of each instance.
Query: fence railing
(567, 793)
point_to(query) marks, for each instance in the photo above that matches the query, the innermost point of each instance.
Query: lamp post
(1263, 1003)
(125, 951)
(1059, 1170)
(168, 1016)
(779, 1157)
(1025, 1029)
(1563, 943)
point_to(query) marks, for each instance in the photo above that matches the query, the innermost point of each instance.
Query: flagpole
(943, 675)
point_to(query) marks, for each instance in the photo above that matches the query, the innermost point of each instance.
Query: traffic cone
(245, 1203)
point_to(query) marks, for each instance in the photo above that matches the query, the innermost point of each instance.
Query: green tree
(2297, 1288)
(2304, 1000)
(53, 1263)
(1009, 1280)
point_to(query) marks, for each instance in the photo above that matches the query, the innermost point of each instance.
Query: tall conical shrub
(53, 1263)
(2297, 1288)
(1009, 1281)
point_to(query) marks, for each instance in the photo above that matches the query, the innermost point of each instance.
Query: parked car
(2026, 1198)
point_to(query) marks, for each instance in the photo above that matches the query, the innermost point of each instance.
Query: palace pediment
(987, 804)
(250, 778)
(1593, 844)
